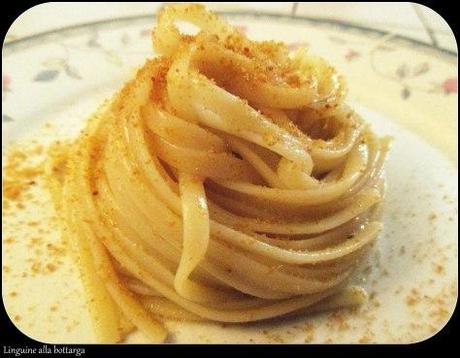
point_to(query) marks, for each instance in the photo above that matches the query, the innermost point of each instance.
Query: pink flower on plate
(145, 32)
(6, 81)
(242, 29)
(450, 85)
(351, 55)
(295, 45)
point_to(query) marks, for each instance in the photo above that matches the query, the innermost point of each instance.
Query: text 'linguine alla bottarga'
(226, 182)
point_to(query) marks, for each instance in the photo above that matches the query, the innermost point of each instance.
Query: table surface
(408, 19)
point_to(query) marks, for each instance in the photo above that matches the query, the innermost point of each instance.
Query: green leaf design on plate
(125, 39)
(72, 72)
(421, 68)
(54, 63)
(113, 58)
(93, 40)
(46, 76)
(402, 71)
(405, 93)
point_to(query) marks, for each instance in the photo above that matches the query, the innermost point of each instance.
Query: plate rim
(350, 26)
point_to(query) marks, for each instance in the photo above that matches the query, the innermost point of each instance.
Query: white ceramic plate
(53, 82)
